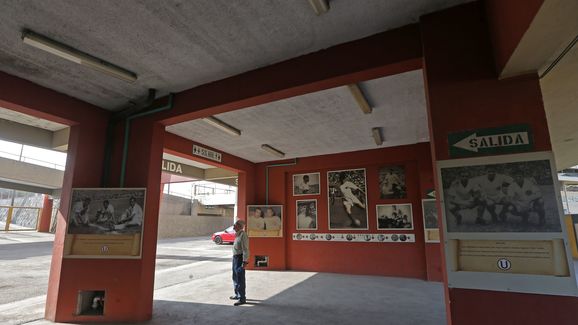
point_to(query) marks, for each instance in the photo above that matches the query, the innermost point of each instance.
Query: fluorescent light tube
(376, 133)
(273, 151)
(222, 126)
(68, 53)
(360, 98)
(319, 6)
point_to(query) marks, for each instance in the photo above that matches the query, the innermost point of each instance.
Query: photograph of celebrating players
(394, 216)
(392, 182)
(501, 197)
(347, 199)
(306, 184)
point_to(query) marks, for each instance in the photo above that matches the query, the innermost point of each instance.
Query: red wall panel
(390, 259)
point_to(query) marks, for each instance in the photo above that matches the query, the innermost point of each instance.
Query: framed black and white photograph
(392, 182)
(503, 197)
(106, 211)
(265, 220)
(430, 220)
(306, 214)
(105, 222)
(347, 199)
(306, 184)
(394, 216)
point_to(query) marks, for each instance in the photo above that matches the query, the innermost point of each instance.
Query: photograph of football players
(306, 214)
(518, 196)
(430, 221)
(306, 184)
(392, 182)
(265, 220)
(430, 214)
(96, 211)
(394, 216)
(347, 197)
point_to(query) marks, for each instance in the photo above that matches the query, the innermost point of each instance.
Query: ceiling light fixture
(222, 125)
(360, 98)
(377, 136)
(273, 151)
(76, 56)
(319, 6)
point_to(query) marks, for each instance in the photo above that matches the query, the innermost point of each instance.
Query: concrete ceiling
(9, 115)
(175, 45)
(320, 123)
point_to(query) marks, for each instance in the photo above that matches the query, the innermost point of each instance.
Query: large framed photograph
(430, 221)
(392, 182)
(347, 199)
(394, 216)
(265, 220)
(502, 222)
(105, 222)
(306, 214)
(306, 184)
(503, 197)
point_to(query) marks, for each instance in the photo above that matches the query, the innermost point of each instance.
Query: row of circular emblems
(355, 237)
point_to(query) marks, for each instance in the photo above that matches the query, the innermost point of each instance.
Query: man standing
(240, 260)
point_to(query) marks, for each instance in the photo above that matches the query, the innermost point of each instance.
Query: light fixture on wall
(222, 125)
(66, 52)
(273, 151)
(360, 98)
(319, 6)
(377, 136)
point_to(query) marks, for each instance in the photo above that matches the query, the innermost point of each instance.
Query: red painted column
(464, 93)
(45, 214)
(129, 283)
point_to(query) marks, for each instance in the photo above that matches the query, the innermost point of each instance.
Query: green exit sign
(481, 142)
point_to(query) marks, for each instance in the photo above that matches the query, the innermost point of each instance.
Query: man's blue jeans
(239, 277)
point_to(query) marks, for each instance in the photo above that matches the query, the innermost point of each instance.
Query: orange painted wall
(392, 259)
(464, 93)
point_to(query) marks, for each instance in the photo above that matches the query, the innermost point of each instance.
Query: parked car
(225, 236)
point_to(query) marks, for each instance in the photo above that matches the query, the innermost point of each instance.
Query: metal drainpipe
(127, 133)
(116, 117)
(267, 177)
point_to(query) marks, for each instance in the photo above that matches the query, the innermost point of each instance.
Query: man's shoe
(234, 298)
(239, 303)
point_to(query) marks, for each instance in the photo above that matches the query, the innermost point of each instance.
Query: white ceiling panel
(320, 123)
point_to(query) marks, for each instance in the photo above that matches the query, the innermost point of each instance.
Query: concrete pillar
(45, 214)
(464, 93)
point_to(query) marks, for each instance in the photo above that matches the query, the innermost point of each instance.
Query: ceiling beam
(388, 53)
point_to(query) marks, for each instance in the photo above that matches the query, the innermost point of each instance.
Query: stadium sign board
(481, 142)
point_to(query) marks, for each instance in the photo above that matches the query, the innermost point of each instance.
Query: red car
(225, 236)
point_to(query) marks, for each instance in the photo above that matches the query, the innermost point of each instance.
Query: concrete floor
(192, 286)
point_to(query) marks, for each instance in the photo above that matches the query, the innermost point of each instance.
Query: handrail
(18, 207)
(30, 160)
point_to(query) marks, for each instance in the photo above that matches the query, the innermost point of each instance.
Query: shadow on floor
(320, 299)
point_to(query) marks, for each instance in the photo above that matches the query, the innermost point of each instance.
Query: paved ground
(193, 283)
